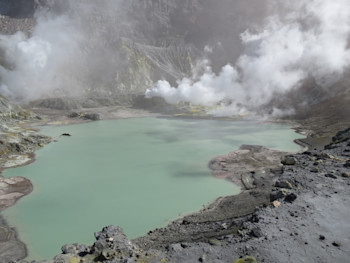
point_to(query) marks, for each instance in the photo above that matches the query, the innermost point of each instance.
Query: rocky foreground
(296, 211)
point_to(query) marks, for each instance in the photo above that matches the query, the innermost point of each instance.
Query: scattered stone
(73, 115)
(203, 258)
(248, 181)
(322, 237)
(248, 259)
(85, 116)
(120, 243)
(276, 203)
(275, 195)
(66, 134)
(345, 175)
(326, 156)
(224, 225)
(69, 249)
(290, 198)
(336, 244)
(315, 170)
(330, 175)
(284, 184)
(92, 116)
(214, 242)
(256, 232)
(289, 160)
(184, 245)
(347, 164)
(174, 247)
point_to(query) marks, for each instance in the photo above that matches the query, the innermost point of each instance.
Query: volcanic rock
(288, 160)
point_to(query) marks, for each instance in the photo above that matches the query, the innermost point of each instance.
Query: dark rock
(66, 134)
(69, 249)
(345, 175)
(73, 115)
(341, 136)
(325, 156)
(184, 245)
(315, 170)
(322, 237)
(256, 232)
(75, 249)
(275, 195)
(290, 198)
(214, 242)
(330, 175)
(347, 164)
(289, 160)
(203, 258)
(336, 244)
(284, 184)
(92, 116)
(112, 238)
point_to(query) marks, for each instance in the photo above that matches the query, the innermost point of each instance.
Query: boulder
(290, 198)
(284, 184)
(92, 116)
(289, 160)
(278, 194)
(112, 239)
(256, 232)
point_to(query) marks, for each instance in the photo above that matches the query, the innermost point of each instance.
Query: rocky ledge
(17, 145)
(296, 210)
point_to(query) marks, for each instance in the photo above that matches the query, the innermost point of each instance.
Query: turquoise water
(135, 173)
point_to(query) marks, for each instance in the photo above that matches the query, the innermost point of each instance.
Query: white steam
(305, 40)
(37, 64)
(67, 54)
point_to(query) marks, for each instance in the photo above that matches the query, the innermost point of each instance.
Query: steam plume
(302, 40)
(68, 53)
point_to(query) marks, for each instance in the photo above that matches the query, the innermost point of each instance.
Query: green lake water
(135, 173)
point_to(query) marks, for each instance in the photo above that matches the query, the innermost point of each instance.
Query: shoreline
(303, 218)
(226, 222)
(67, 121)
(11, 192)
